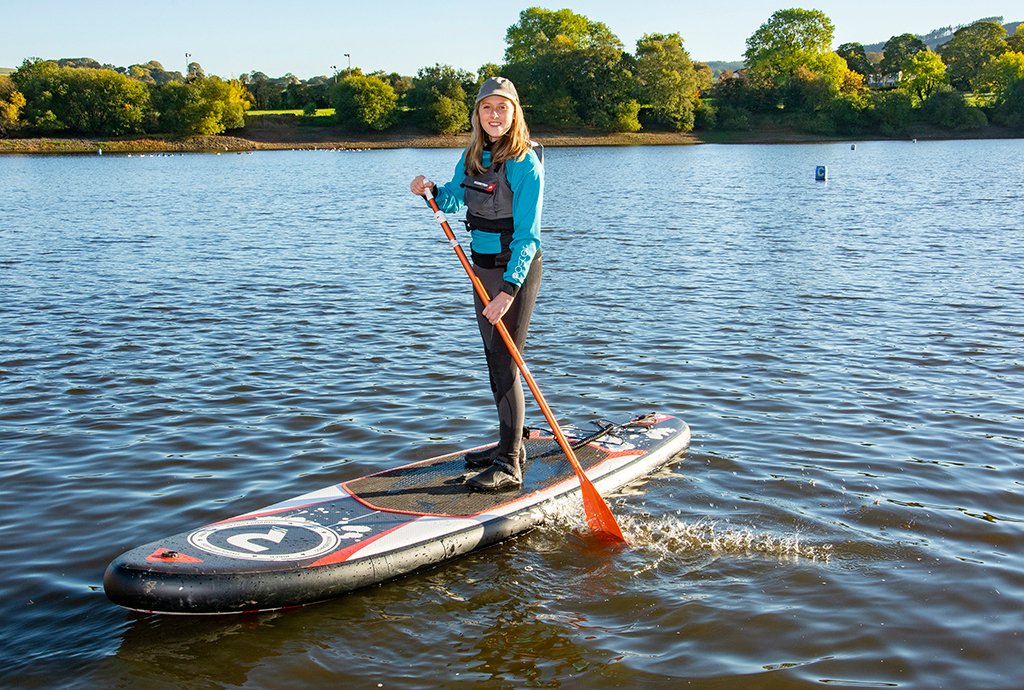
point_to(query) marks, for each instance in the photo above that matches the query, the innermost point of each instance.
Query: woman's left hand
(497, 307)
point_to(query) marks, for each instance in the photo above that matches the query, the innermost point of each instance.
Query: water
(186, 338)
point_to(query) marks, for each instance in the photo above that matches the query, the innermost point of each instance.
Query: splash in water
(671, 535)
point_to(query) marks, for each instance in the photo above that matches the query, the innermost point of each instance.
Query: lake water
(186, 338)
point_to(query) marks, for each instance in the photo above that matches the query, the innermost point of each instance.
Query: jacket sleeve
(526, 177)
(450, 196)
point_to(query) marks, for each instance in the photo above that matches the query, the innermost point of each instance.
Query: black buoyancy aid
(488, 197)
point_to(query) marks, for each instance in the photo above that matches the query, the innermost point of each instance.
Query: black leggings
(504, 374)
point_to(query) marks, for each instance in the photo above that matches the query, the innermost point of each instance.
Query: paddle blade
(599, 515)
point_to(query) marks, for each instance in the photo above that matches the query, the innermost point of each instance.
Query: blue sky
(229, 37)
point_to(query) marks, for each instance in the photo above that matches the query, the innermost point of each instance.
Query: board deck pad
(437, 487)
(363, 531)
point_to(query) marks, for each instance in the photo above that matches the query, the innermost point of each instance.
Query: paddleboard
(366, 530)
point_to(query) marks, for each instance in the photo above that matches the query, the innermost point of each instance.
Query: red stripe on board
(349, 551)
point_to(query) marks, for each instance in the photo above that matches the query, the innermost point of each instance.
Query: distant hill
(7, 70)
(719, 66)
(936, 37)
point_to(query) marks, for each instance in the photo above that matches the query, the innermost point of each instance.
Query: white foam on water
(671, 535)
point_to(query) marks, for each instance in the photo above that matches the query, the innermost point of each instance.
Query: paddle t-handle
(599, 515)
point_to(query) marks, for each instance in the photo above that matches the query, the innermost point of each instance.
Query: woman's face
(496, 114)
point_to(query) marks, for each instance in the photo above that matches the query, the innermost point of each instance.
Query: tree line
(572, 73)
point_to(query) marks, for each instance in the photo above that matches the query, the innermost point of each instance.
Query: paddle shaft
(599, 516)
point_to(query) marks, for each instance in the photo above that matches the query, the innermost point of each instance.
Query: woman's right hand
(420, 185)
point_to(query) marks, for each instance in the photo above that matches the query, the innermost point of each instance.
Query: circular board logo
(275, 539)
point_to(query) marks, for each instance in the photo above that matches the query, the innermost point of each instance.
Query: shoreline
(290, 137)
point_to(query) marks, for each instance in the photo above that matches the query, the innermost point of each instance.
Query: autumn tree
(11, 103)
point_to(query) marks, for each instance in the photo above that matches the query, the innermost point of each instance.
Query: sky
(312, 37)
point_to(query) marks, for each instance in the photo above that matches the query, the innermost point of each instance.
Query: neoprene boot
(485, 456)
(482, 457)
(504, 474)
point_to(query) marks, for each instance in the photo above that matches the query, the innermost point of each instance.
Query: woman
(500, 180)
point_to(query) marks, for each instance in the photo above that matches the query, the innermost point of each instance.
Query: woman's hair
(513, 145)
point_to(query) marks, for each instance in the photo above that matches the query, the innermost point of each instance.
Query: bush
(847, 114)
(364, 103)
(447, 115)
(705, 116)
(1010, 113)
(732, 117)
(893, 112)
(620, 117)
(949, 110)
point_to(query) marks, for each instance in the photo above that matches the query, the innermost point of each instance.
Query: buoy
(853, 147)
(99, 152)
(821, 173)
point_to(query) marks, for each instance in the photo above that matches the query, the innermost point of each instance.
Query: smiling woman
(500, 180)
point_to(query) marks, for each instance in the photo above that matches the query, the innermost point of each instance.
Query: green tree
(789, 39)
(540, 31)
(11, 103)
(206, 106)
(1016, 42)
(486, 72)
(85, 100)
(1000, 74)
(569, 70)
(856, 58)
(152, 73)
(923, 74)
(365, 103)
(970, 49)
(897, 51)
(666, 79)
(442, 97)
(102, 101)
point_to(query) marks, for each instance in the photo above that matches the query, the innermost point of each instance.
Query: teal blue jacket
(526, 177)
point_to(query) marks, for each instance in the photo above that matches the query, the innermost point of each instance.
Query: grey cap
(498, 86)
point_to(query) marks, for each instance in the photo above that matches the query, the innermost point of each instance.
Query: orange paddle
(599, 515)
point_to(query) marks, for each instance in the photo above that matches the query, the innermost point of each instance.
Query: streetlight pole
(187, 56)
(334, 68)
(349, 56)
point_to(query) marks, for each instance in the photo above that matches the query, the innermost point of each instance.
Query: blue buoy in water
(821, 173)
